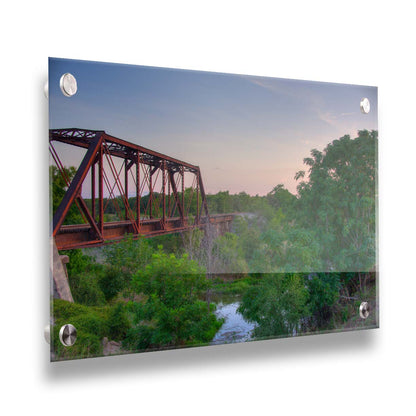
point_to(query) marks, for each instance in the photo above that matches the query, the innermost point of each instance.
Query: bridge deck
(79, 235)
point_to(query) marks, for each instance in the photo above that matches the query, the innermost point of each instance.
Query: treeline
(330, 226)
(220, 203)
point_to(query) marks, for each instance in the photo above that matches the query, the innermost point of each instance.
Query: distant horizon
(252, 132)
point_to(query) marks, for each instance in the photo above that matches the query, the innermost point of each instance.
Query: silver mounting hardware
(68, 84)
(364, 310)
(68, 335)
(365, 105)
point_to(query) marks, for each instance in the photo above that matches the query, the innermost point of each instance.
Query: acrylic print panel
(193, 208)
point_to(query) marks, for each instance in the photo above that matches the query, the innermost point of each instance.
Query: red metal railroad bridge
(165, 191)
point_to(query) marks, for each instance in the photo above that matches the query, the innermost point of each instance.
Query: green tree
(128, 255)
(337, 201)
(172, 314)
(276, 304)
(227, 255)
(84, 275)
(324, 292)
(57, 190)
(173, 281)
(281, 198)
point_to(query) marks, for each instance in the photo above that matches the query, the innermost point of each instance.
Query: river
(235, 328)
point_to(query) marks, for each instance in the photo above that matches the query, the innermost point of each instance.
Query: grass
(232, 287)
(93, 323)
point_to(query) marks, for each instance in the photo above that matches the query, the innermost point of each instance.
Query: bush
(87, 345)
(92, 324)
(173, 281)
(83, 275)
(118, 323)
(128, 255)
(323, 294)
(277, 304)
(111, 282)
(62, 309)
(172, 315)
(78, 262)
(138, 338)
(86, 290)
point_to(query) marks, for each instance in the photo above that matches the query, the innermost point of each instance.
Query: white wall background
(369, 372)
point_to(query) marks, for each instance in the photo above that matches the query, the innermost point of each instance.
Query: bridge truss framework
(159, 177)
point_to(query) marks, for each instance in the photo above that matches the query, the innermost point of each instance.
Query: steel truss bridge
(170, 188)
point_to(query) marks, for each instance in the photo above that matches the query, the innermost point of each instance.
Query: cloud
(327, 117)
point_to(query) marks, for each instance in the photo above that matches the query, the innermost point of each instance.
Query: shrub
(83, 276)
(87, 345)
(118, 323)
(128, 255)
(92, 324)
(62, 309)
(111, 282)
(138, 338)
(277, 304)
(86, 290)
(323, 294)
(78, 262)
(172, 315)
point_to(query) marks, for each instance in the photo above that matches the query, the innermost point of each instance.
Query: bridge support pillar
(61, 289)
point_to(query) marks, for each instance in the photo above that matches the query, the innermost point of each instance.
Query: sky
(246, 133)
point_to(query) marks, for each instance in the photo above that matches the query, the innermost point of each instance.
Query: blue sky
(247, 133)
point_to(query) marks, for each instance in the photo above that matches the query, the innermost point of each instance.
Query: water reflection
(235, 327)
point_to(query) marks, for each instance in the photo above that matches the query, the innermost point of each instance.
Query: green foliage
(129, 255)
(57, 190)
(87, 345)
(227, 255)
(63, 309)
(220, 202)
(118, 322)
(111, 282)
(172, 315)
(92, 324)
(324, 291)
(276, 304)
(173, 281)
(139, 338)
(189, 324)
(338, 201)
(248, 231)
(172, 243)
(84, 275)
(78, 262)
(281, 198)
(85, 289)
(192, 244)
(236, 286)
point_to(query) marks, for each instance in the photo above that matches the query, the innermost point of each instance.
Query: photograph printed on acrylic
(193, 208)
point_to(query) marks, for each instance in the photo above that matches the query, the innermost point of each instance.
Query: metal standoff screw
(364, 310)
(68, 335)
(47, 333)
(365, 105)
(68, 84)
